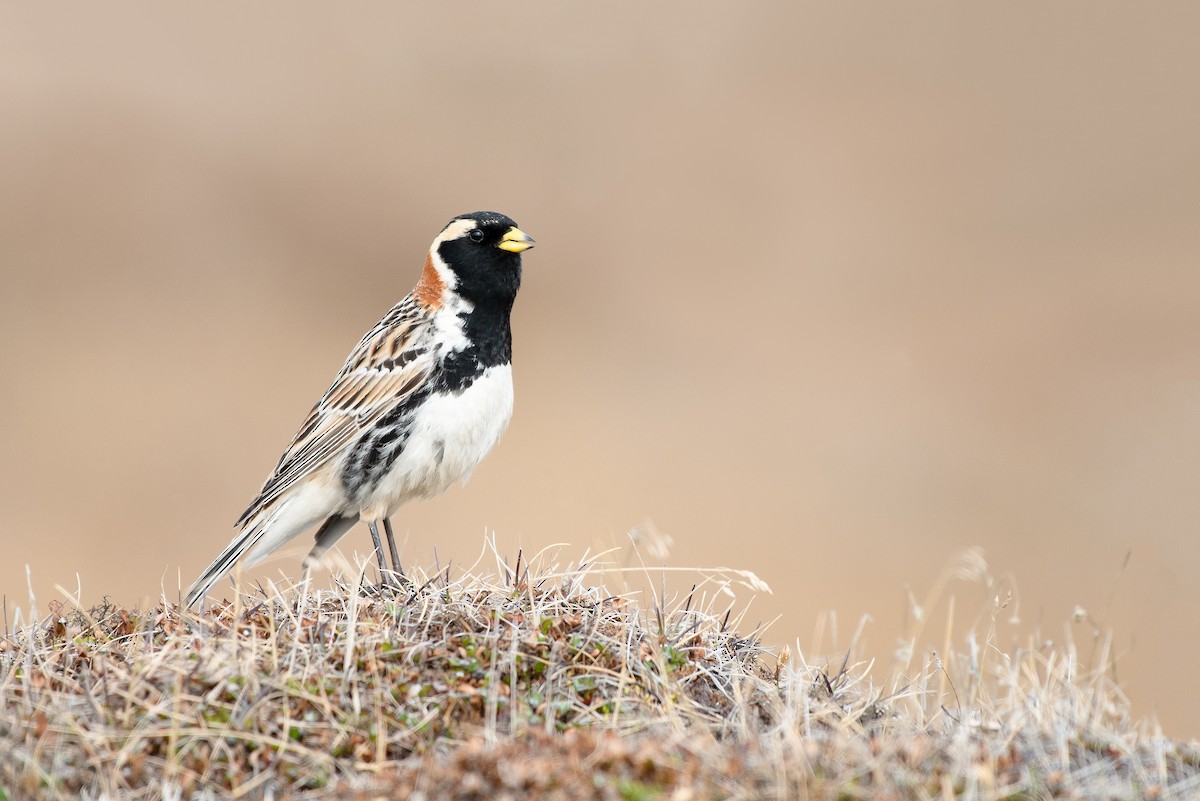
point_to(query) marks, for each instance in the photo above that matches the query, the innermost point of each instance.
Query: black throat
(489, 283)
(488, 331)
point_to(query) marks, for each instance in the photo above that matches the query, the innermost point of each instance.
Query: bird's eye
(476, 235)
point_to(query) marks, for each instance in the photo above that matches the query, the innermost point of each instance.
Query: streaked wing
(386, 368)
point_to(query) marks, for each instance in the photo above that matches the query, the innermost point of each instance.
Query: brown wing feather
(381, 373)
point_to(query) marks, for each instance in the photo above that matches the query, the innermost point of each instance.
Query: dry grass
(535, 682)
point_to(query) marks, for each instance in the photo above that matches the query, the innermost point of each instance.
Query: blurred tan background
(827, 292)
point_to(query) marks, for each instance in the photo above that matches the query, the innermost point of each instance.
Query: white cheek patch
(455, 230)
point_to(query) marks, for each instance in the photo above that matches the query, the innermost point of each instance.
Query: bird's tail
(246, 539)
(261, 534)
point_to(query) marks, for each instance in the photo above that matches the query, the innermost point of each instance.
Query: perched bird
(418, 403)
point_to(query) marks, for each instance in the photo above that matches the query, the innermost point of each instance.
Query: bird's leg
(379, 557)
(387, 529)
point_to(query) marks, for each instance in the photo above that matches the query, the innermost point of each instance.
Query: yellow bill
(515, 240)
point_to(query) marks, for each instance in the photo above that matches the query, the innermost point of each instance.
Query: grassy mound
(536, 684)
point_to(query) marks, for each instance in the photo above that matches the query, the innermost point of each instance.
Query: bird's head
(478, 256)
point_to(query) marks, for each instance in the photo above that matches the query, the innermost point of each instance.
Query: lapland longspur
(419, 402)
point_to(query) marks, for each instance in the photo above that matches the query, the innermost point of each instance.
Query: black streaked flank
(377, 449)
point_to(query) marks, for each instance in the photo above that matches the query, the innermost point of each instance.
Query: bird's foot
(390, 585)
(395, 580)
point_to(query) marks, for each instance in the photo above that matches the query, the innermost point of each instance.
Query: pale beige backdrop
(829, 292)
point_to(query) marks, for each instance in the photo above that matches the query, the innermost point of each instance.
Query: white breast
(451, 434)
